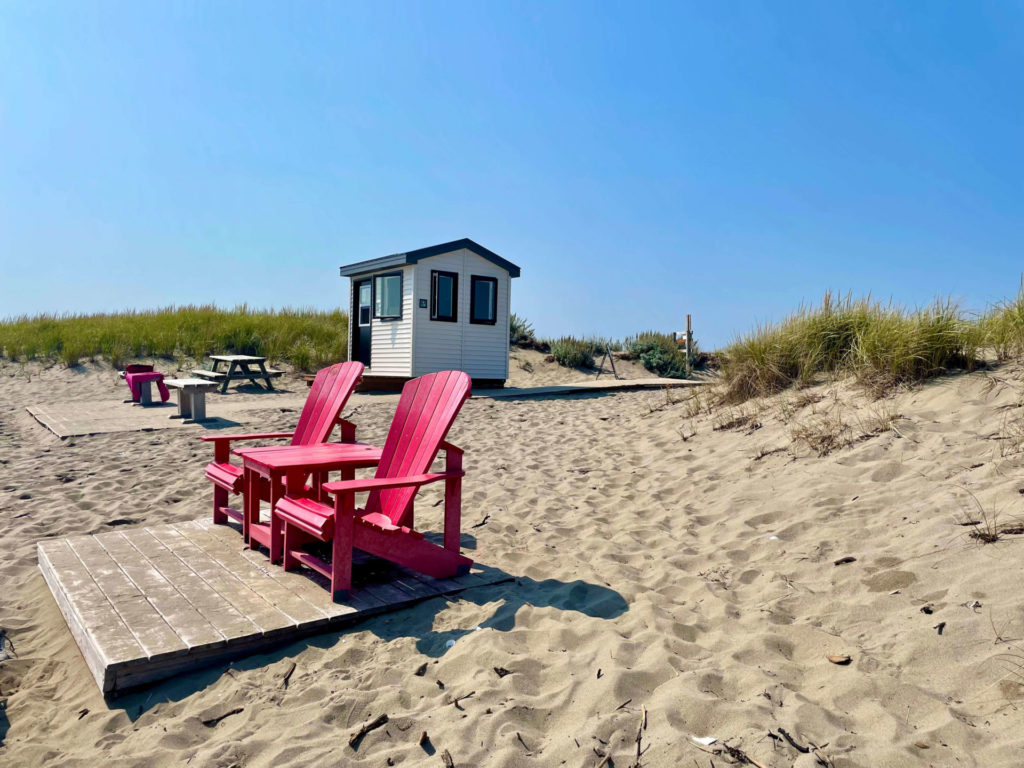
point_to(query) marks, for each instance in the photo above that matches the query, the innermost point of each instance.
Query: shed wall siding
(479, 350)
(391, 345)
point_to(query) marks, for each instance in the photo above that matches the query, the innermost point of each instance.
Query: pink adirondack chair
(425, 413)
(137, 374)
(331, 389)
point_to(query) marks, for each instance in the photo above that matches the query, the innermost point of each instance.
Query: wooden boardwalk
(148, 603)
(606, 384)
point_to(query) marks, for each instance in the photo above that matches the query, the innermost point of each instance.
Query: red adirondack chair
(425, 413)
(328, 395)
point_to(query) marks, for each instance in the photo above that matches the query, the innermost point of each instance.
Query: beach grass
(1002, 328)
(305, 338)
(881, 345)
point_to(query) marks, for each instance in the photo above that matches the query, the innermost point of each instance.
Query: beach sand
(675, 564)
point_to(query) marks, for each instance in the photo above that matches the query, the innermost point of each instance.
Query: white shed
(445, 307)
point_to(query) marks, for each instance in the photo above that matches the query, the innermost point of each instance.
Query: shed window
(483, 300)
(387, 296)
(444, 296)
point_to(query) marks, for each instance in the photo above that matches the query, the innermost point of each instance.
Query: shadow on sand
(416, 621)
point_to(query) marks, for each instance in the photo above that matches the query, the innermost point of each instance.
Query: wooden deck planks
(144, 604)
(101, 634)
(297, 609)
(174, 607)
(150, 629)
(206, 600)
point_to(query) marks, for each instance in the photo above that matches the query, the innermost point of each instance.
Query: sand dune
(671, 557)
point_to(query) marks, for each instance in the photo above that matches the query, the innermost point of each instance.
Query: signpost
(684, 339)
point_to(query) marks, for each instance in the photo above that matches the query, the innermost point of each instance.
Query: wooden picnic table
(238, 370)
(272, 464)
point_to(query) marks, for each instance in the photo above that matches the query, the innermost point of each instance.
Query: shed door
(361, 313)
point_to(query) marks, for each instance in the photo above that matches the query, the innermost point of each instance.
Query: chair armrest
(222, 443)
(383, 483)
(254, 436)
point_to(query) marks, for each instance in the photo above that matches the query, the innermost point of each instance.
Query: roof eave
(373, 265)
(413, 257)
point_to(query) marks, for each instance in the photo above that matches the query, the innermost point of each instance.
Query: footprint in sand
(887, 472)
(887, 581)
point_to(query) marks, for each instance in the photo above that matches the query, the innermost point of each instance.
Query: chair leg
(292, 537)
(276, 490)
(220, 499)
(341, 560)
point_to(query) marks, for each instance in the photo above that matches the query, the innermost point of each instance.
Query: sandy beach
(682, 570)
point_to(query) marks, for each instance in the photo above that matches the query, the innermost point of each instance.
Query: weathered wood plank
(150, 629)
(250, 573)
(191, 576)
(206, 600)
(303, 585)
(408, 581)
(231, 589)
(190, 625)
(102, 636)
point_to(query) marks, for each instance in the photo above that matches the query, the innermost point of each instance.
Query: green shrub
(659, 353)
(572, 352)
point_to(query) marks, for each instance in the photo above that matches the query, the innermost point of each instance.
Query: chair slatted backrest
(328, 395)
(425, 413)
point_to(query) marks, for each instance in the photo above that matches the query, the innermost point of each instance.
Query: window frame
(359, 304)
(473, 280)
(434, 275)
(401, 295)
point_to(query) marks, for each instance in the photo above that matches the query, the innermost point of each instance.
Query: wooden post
(689, 345)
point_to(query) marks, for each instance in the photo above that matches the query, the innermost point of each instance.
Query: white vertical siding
(391, 344)
(438, 344)
(479, 350)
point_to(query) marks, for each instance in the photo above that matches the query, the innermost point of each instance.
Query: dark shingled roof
(399, 259)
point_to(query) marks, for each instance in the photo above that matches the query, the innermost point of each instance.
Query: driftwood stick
(446, 758)
(741, 757)
(288, 676)
(365, 729)
(792, 742)
(457, 699)
(522, 742)
(627, 701)
(214, 720)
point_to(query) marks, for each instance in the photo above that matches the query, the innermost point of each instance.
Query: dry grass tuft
(984, 524)
(1011, 435)
(823, 433)
(881, 417)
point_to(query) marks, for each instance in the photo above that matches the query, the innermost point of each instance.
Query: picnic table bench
(238, 370)
(191, 397)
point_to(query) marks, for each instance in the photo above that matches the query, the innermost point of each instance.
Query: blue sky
(638, 160)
